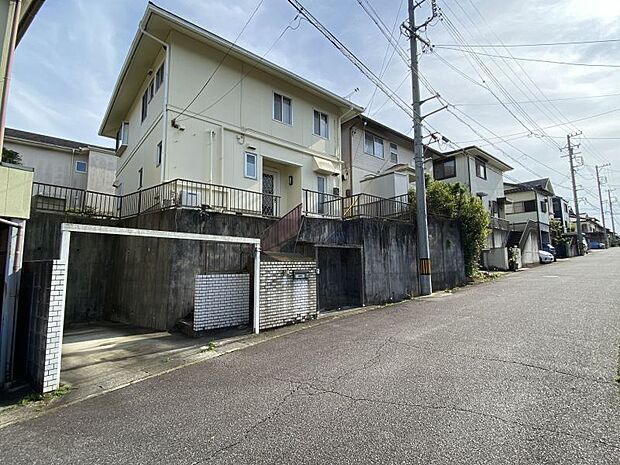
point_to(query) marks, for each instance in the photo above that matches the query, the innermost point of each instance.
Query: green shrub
(455, 202)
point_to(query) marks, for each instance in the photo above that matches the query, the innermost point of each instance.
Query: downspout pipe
(164, 136)
(9, 68)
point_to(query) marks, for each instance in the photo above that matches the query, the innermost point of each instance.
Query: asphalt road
(520, 370)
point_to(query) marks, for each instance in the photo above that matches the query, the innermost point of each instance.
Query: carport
(53, 338)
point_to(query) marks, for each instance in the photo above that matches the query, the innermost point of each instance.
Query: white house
(191, 105)
(483, 175)
(531, 201)
(62, 162)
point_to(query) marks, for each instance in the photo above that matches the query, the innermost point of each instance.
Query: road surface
(520, 370)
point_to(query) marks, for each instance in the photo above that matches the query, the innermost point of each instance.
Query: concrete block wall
(284, 300)
(221, 300)
(53, 343)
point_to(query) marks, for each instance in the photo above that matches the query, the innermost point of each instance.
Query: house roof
(17, 135)
(159, 22)
(28, 11)
(477, 151)
(541, 185)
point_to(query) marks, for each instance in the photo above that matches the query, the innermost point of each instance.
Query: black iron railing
(355, 206)
(282, 231)
(323, 204)
(179, 193)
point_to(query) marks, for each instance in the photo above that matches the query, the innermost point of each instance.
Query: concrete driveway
(521, 370)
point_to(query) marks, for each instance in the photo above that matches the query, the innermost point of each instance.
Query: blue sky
(67, 64)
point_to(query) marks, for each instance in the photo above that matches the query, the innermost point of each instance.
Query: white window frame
(374, 142)
(77, 162)
(245, 165)
(318, 134)
(273, 108)
(158, 153)
(393, 151)
(159, 77)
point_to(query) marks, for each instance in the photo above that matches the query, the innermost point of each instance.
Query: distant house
(257, 139)
(63, 162)
(561, 212)
(592, 229)
(378, 160)
(483, 175)
(530, 210)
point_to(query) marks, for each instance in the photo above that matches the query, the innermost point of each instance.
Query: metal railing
(49, 197)
(285, 229)
(179, 193)
(355, 206)
(500, 223)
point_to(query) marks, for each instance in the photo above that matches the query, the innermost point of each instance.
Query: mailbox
(301, 274)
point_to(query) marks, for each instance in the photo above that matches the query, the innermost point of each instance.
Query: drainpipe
(9, 66)
(164, 136)
(222, 155)
(211, 133)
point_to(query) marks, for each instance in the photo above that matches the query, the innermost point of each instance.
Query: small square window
(282, 109)
(250, 165)
(320, 124)
(81, 166)
(158, 153)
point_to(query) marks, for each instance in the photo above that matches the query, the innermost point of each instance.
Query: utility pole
(424, 255)
(575, 199)
(600, 198)
(611, 213)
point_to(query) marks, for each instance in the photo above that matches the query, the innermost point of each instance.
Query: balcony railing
(179, 193)
(283, 230)
(356, 206)
(500, 224)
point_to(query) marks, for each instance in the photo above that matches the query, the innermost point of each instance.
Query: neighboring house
(591, 229)
(191, 105)
(378, 159)
(531, 201)
(63, 162)
(561, 212)
(483, 175)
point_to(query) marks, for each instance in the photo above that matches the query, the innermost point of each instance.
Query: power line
(563, 99)
(542, 44)
(223, 58)
(535, 60)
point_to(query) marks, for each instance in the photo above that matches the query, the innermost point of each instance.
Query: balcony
(500, 224)
(179, 193)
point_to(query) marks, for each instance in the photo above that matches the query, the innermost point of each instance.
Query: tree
(11, 156)
(455, 202)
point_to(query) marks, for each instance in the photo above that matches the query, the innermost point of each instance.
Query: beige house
(190, 105)
(62, 162)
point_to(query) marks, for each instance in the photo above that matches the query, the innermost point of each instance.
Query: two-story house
(530, 210)
(378, 160)
(561, 212)
(190, 105)
(483, 175)
(62, 162)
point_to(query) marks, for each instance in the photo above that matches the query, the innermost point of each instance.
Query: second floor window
(81, 166)
(444, 169)
(320, 124)
(145, 104)
(543, 206)
(282, 109)
(158, 153)
(481, 168)
(373, 145)
(151, 89)
(250, 165)
(393, 153)
(159, 78)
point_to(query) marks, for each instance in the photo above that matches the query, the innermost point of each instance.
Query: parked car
(547, 247)
(545, 257)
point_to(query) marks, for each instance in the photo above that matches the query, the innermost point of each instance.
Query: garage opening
(114, 294)
(340, 280)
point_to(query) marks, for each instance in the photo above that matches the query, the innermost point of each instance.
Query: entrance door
(271, 184)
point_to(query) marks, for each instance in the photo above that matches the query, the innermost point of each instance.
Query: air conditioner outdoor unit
(191, 199)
